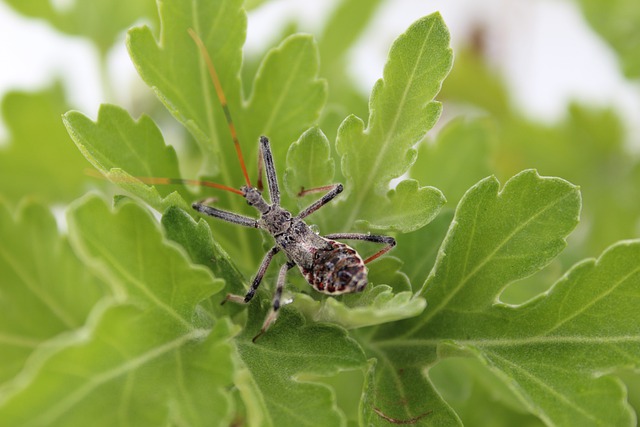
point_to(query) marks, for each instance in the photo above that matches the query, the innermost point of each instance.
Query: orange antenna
(223, 100)
(165, 181)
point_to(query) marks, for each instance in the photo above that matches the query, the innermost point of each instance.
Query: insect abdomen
(337, 270)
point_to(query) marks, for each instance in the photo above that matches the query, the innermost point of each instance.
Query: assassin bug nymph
(329, 266)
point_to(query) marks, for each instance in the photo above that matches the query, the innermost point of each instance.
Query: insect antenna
(223, 100)
(164, 181)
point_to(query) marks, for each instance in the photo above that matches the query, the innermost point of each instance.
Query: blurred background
(548, 53)
(546, 84)
(552, 85)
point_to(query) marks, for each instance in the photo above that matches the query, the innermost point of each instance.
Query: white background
(546, 52)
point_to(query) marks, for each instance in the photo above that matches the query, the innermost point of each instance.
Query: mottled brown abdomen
(336, 270)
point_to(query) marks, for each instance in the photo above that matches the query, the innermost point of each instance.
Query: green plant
(119, 322)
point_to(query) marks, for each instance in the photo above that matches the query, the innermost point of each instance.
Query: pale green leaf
(129, 251)
(133, 366)
(150, 360)
(121, 149)
(100, 20)
(376, 305)
(38, 158)
(45, 289)
(401, 112)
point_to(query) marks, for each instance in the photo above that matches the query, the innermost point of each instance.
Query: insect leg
(272, 178)
(389, 241)
(275, 307)
(256, 280)
(334, 191)
(225, 215)
(259, 185)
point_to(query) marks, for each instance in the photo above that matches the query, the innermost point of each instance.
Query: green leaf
(151, 359)
(478, 396)
(375, 306)
(496, 237)
(131, 365)
(401, 112)
(121, 149)
(197, 240)
(38, 159)
(147, 267)
(425, 242)
(309, 163)
(556, 347)
(459, 157)
(281, 364)
(175, 69)
(617, 22)
(286, 97)
(45, 289)
(387, 300)
(87, 17)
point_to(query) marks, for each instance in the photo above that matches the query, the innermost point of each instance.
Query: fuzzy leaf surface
(286, 358)
(401, 111)
(496, 237)
(45, 289)
(121, 148)
(281, 105)
(153, 357)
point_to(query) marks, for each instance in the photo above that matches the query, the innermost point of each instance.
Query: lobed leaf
(494, 239)
(401, 112)
(558, 351)
(45, 289)
(122, 149)
(282, 104)
(175, 69)
(131, 365)
(309, 163)
(149, 359)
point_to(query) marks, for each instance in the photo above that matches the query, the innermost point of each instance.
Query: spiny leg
(275, 305)
(225, 215)
(270, 169)
(259, 184)
(256, 280)
(334, 190)
(389, 241)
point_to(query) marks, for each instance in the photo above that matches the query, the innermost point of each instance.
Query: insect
(330, 267)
